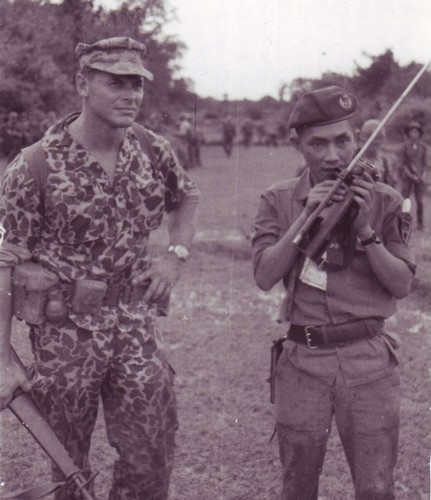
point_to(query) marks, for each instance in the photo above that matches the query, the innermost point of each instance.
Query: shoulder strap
(38, 164)
(146, 144)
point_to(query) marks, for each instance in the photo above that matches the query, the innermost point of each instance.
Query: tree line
(38, 40)
(38, 64)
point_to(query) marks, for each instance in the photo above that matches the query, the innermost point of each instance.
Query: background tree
(38, 40)
(38, 65)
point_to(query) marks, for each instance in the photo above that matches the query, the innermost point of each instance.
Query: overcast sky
(248, 48)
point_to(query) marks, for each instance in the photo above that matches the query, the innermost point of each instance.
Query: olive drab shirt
(90, 228)
(351, 293)
(413, 157)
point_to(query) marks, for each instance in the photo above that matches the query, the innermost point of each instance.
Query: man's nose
(332, 155)
(129, 93)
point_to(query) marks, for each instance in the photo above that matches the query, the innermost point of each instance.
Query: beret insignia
(346, 102)
(405, 225)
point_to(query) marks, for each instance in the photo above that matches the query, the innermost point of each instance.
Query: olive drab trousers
(418, 190)
(367, 418)
(135, 382)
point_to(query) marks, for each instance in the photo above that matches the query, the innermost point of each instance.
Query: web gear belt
(315, 336)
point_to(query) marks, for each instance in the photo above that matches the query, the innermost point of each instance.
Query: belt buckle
(308, 337)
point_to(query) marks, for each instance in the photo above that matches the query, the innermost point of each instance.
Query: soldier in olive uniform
(413, 168)
(339, 359)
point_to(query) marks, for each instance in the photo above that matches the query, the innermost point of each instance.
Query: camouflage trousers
(135, 382)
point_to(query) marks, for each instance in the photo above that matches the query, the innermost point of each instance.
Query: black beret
(322, 107)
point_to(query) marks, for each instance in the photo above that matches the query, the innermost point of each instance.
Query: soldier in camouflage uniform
(90, 226)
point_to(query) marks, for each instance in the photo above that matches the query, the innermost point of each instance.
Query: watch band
(372, 239)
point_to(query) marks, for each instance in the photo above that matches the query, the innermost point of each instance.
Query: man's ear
(81, 83)
(294, 140)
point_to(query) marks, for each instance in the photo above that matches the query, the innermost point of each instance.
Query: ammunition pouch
(88, 296)
(31, 283)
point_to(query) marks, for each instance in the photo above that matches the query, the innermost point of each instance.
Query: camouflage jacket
(90, 228)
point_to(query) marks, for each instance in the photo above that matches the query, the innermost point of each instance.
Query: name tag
(314, 275)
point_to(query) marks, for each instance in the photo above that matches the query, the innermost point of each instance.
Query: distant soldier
(374, 154)
(192, 138)
(413, 160)
(229, 134)
(247, 130)
(154, 122)
(197, 139)
(271, 135)
(282, 132)
(261, 132)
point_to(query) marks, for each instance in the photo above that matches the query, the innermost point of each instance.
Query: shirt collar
(58, 135)
(303, 186)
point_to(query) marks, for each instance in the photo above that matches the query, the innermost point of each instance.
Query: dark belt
(331, 335)
(128, 294)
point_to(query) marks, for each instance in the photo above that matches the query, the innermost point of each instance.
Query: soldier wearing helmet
(413, 168)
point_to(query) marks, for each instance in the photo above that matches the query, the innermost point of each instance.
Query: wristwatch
(372, 239)
(180, 251)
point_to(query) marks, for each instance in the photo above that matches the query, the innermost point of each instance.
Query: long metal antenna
(309, 222)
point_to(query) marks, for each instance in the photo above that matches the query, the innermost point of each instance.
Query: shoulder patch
(405, 224)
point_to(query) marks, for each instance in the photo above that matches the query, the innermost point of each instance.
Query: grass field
(218, 337)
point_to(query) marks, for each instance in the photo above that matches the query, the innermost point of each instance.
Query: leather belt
(315, 336)
(128, 294)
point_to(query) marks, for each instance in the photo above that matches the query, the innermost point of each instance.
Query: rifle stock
(26, 411)
(341, 177)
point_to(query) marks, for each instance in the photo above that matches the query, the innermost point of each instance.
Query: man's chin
(124, 122)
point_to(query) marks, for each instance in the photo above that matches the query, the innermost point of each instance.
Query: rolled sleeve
(178, 185)
(267, 227)
(20, 214)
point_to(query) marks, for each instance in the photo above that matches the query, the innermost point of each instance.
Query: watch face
(181, 252)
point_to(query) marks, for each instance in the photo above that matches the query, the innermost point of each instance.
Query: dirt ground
(218, 336)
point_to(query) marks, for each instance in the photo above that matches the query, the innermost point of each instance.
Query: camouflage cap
(322, 107)
(118, 55)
